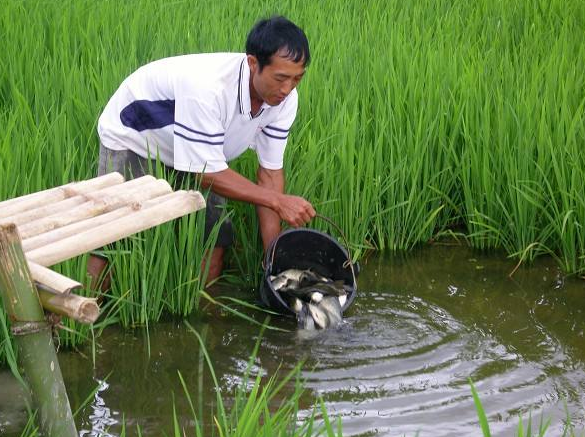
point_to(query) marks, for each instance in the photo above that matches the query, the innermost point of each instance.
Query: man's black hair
(275, 34)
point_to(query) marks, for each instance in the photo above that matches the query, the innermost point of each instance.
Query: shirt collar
(244, 101)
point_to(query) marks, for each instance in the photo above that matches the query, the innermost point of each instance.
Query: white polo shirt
(195, 112)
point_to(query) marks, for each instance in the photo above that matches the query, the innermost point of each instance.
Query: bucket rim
(269, 256)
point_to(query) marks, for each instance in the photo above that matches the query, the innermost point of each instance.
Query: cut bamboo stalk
(53, 208)
(179, 204)
(90, 223)
(36, 200)
(51, 279)
(33, 339)
(82, 309)
(99, 205)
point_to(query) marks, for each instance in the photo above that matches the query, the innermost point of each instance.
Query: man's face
(276, 80)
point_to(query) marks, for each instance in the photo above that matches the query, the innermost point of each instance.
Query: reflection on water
(101, 420)
(399, 364)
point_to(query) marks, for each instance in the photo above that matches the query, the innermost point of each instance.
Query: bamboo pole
(55, 294)
(57, 234)
(35, 200)
(79, 308)
(177, 205)
(37, 213)
(33, 338)
(52, 280)
(98, 205)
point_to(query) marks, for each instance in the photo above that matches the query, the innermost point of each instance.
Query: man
(198, 112)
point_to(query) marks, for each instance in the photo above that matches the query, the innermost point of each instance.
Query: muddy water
(400, 363)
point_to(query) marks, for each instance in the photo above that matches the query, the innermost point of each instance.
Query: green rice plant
(6, 346)
(525, 429)
(512, 164)
(175, 287)
(30, 429)
(415, 118)
(259, 410)
(565, 210)
(245, 255)
(415, 138)
(9, 352)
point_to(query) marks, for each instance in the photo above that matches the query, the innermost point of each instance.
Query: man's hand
(294, 210)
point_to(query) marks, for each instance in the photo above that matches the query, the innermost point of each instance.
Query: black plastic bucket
(303, 248)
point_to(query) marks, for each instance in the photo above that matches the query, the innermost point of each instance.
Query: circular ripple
(400, 363)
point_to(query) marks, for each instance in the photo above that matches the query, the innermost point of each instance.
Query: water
(400, 363)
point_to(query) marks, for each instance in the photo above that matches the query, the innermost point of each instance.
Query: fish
(314, 293)
(304, 319)
(295, 278)
(290, 278)
(330, 305)
(309, 277)
(296, 305)
(319, 317)
(304, 294)
(316, 300)
(333, 288)
(316, 297)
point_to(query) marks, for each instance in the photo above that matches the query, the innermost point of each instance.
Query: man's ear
(253, 63)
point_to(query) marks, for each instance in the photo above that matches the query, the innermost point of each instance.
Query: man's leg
(215, 264)
(214, 212)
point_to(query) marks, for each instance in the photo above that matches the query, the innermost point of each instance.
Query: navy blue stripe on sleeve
(274, 136)
(276, 129)
(198, 132)
(198, 141)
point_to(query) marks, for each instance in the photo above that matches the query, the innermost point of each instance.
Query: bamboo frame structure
(67, 221)
(42, 229)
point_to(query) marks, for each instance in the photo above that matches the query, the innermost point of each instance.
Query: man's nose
(287, 87)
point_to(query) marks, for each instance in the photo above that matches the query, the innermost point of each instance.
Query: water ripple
(398, 360)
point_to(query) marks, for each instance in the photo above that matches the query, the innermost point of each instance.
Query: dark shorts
(132, 166)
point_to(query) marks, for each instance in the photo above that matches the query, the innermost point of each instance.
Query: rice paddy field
(417, 120)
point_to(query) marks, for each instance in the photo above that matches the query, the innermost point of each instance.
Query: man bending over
(198, 112)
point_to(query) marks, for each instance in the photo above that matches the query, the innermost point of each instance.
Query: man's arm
(294, 210)
(269, 219)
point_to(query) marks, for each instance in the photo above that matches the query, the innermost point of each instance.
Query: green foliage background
(415, 119)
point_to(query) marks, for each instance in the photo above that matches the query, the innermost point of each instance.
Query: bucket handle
(336, 226)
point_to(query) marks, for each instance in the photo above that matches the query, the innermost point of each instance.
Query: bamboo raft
(67, 221)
